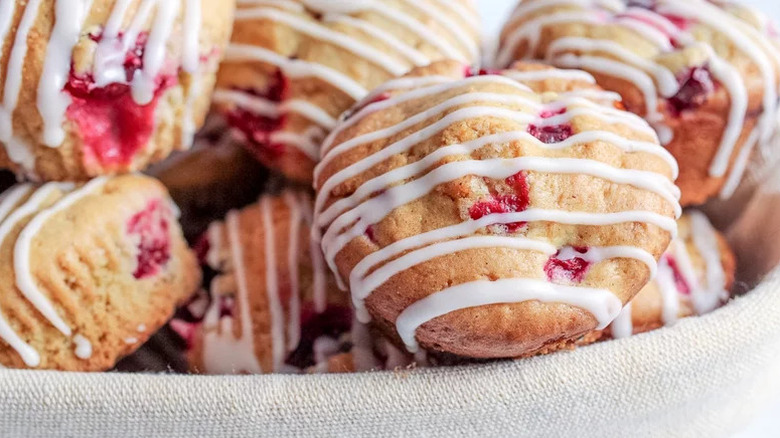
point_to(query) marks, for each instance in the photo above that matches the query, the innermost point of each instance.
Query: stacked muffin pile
(458, 213)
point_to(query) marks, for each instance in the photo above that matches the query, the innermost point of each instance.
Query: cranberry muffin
(703, 73)
(293, 66)
(272, 306)
(694, 277)
(88, 271)
(493, 214)
(105, 86)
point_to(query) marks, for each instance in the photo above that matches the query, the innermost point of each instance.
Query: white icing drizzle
(11, 199)
(740, 166)
(323, 348)
(266, 108)
(601, 303)
(222, 352)
(17, 150)
(349, 217)
(446, 23)
(400, 18)
(402, 54)
(272, 287)
(83, 347)
(413, 55)
(12, 214)
(622, 326)
(706, 242)
(24, 280)
(69, 17)
(320, 280)
(427, 88)
(141, 328)
(542, 75)
(669, 293)
(285, 325)
(131, 340)
(294, 306)
(191, 64)
(652, 78)
(314, 30)
(289, 5)
(704, 298)
(52, 100)
(143, 83)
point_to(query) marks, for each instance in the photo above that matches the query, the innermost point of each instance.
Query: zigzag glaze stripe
(348, 218)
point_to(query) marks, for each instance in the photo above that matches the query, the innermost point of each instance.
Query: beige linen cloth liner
(706, 376)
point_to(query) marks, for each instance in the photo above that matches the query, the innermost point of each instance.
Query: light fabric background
(705, 376)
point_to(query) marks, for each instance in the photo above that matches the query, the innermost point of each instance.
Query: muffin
(105, 87)
(89, 271)
(694, 277)
(270, 299)
(294, 66)
(495, 213)
(703, 73)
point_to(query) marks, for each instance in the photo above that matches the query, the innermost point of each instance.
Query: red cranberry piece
(151, 228)
(475, 71)
(334, 322)
(227, 304)
(370, 234)
(681, 23)
(202, 248)
(546, 114)
(679, 281)
(185, 330)
(195, 309)
(111, 124)
(696, 86)
(551, 134)
(510, 203)
(258, 128)
(567, 270)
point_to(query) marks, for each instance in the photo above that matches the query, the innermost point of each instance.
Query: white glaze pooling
(347, 218)
(648, 75)
(401, 56)
(284, 317)
(109, 57)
